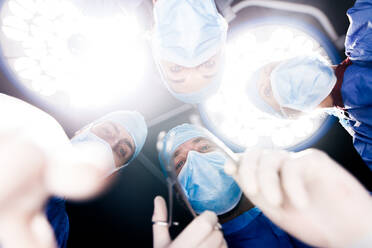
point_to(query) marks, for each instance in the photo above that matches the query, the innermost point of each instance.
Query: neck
(327, 102)
(243, 206)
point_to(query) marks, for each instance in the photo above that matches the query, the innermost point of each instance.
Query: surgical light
(50, 47)
(232, 117)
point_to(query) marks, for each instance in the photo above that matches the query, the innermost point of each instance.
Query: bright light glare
(231, 112)
(52, 47)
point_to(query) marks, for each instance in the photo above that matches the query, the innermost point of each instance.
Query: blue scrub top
(58, 219)
(254, 229)
(356, 88)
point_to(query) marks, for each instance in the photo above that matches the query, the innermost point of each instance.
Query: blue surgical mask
(89, 137)
(206, 185)
(188, 32)
(302, 83)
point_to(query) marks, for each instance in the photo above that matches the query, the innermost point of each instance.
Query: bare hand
(307, 194)
(200, 232)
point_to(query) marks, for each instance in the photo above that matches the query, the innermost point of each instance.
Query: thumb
(161, 237)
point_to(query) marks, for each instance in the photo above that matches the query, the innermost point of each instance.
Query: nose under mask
(206, 185)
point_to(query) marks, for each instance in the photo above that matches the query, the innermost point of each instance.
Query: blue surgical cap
(302, 83)
(254, 96)
(176, 137)
(188, 32)
(133, 122)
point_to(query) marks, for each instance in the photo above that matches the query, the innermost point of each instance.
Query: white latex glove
(200, 232)
(37, 161)
(308, 195)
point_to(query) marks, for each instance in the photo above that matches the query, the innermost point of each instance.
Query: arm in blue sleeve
(358, 43)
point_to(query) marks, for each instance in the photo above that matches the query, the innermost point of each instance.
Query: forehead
(117, 128)
(190, 144)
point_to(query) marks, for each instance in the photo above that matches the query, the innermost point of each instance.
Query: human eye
(209, 64)
(122, 151)
(175, 68)
(180, 164)
(205, 148)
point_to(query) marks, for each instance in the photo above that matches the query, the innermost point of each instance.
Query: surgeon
(188, 45)
(37, 160)
(121, 135)
(299, 85)
(199, 166)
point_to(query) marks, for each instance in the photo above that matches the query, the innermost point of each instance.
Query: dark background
(121, 217)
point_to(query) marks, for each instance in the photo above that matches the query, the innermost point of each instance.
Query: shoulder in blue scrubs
(58, 219)
(254, 229)
(356, 88)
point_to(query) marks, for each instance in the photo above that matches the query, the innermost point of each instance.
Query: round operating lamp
(230, 115)
(51, 47)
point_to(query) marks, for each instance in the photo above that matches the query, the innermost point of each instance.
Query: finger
(21, 232)
(293, 182)
(78, 172)
(42, 231)
(247, 172)
(268, 176)
(215, 239)
(24, 162)
(196, 232)
(224, 244)
(161, 237)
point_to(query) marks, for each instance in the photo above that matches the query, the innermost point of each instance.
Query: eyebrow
(197, 140)
(176, 153)
(126, 141)
(210, 76)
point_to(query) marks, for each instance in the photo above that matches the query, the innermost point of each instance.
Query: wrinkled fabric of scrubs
(254, 229)
(356, 88)
(58, 219)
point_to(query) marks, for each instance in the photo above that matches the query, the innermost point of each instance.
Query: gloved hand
(37, 161)
(200, 232)
(308, 195)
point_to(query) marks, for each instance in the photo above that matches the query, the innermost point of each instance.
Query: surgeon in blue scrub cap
(199, 166)
(121, 133)
(188, 46)
(301, 84)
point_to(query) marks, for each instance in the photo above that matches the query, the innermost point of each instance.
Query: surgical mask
(187, 32)
(302, 83)
(206, 185)
(89, 137)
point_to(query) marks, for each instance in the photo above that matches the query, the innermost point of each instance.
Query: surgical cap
(187, 32)
(254, 96)
(302, 83)
(176, 137)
